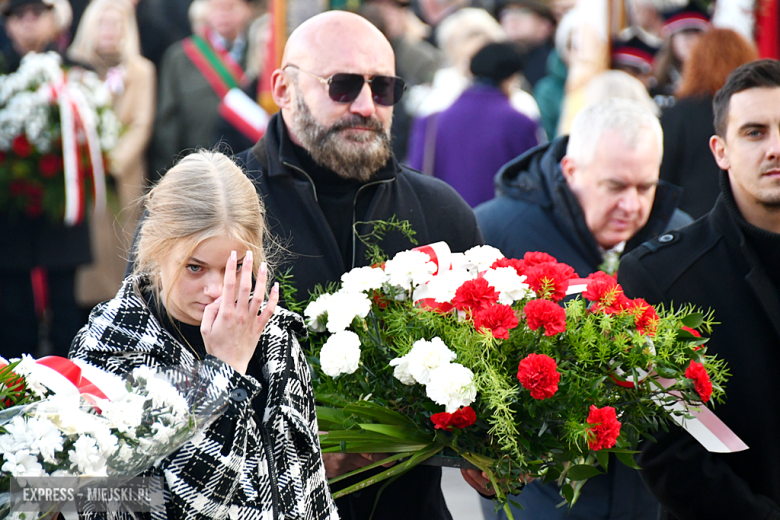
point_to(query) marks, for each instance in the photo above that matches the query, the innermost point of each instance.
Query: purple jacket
(474, 138)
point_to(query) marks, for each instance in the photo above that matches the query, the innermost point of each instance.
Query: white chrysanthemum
(427, 356)
(163, 394)
(340, 354)
(22, 464)
(401, 370)
(18, 438)
(27, 369)
(508, 283)
(483, 257)
(48, 439)
(343, 307)
(125, 415)
(363, 279)
(316, 312)
(85, 456)
(409, 269)
(451, 385)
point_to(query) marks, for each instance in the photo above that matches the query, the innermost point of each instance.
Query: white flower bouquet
(484, 358)
(56, 125)
(47, 428)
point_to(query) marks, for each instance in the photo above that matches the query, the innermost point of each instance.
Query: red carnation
(603, 290)
(693, 332)
(645, 317)
(605, 429)
(533, 258)
(544, 313)
(549, 280)
(21, 146)
(475, 295)
(49, 165)
(539, 374)
(498, 319)
(698, 374)
(517, 265)
(462, 418)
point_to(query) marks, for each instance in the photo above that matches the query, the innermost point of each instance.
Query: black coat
(688, 161)
(534, 210)
(711, 265)
(436, 212)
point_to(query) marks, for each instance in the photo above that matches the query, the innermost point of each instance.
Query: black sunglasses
(344, 87)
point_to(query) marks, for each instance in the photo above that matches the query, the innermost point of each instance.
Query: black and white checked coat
(225, 473)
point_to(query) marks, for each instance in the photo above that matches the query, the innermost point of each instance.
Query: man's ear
(281, 89)
(718, 148)
(569, 168)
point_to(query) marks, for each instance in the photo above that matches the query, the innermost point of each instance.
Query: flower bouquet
(55, 424)
(55, 127)
(486, 358)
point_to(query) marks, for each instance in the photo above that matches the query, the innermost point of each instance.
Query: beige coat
(112, 234)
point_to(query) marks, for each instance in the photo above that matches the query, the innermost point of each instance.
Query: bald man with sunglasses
(325, 169)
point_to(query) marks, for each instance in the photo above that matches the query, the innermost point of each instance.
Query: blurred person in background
(195, 75)
(531, 25)
(633, 52)
(31, 26)
(107, 40)
(618, 84)
(688, 124)
(29, 243)
(549, 90)
(460, 36)
(416, 60)
(466, 144)
(682, 29)
(161, 23)
(434, 12)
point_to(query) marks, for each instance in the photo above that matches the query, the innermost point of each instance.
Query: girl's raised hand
(231, 326)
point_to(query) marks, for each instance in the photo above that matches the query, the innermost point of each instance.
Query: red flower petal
(539, 374)
(606, 428)
(498, 319)
(544, 313)
(701, 379)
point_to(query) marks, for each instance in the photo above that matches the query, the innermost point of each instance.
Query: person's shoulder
(427, 185)
(669, 255)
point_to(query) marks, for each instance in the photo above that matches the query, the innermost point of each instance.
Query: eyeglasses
(344, 87)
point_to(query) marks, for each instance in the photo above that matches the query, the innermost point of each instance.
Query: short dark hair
(756, 74)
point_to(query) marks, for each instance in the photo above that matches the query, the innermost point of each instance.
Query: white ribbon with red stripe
(75, 115)
(63, 376)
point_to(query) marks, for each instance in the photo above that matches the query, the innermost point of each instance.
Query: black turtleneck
(765, 243)
(336, 196)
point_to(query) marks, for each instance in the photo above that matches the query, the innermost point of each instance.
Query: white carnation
(340, 354)
(508, 283)
(363, 279)
(22, 464)
(343, 307)
(316, 312)
(482, 257)
(401, 370)
(451, 385)
(409, 269)
(427, 356)
(442, 287)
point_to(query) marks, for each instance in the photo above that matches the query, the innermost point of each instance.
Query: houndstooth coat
(231, 459)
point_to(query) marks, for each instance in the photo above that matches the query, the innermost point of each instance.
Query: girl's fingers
(229, 284)
(257, 297)
(245, 285)
(273, 299)
(210, 316)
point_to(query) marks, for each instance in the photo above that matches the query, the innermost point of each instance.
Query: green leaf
(567, 492)
(603, 458)
(582, 472)
(693, 320)
(371, 466)
(372, 447)
(399, 432)
(627, 459)
(378, 413)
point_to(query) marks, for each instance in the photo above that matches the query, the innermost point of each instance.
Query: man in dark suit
(729, 261)
(325, 170)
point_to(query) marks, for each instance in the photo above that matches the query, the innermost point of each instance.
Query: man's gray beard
(348, 156)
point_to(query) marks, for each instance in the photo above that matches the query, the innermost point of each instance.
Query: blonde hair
(84, 47)
(205, 195)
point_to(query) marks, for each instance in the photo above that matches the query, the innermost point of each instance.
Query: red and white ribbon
(244, 114)
(63, 376)
(76, 115)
